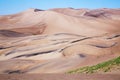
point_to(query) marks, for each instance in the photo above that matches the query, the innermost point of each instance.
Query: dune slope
(58, 40)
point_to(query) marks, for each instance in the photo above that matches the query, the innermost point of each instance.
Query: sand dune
(57, 40)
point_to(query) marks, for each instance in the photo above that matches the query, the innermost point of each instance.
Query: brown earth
(60, 77)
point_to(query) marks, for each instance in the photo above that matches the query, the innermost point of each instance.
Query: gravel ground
(60, 77)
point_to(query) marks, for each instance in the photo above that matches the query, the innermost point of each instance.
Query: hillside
(105, 67)
(58, 40)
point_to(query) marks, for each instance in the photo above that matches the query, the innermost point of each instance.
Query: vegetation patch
(104, 67)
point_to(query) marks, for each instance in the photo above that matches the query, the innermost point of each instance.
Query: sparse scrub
(105, 67)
